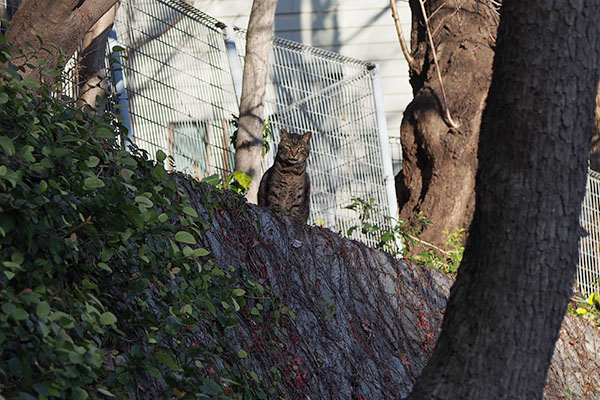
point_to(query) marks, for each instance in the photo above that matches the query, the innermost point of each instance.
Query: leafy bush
(401, 239)
(104, 290)
(587, 308)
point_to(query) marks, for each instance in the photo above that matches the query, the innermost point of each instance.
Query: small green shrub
(401, 239)
(586, 308)
(104, 289)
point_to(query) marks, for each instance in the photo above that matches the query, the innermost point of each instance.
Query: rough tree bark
(512, 289)
(365, 323)
(61, 22)
(93, 75)
(249, 143)
(440, 162)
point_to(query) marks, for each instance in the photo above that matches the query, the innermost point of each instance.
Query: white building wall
(355, 28)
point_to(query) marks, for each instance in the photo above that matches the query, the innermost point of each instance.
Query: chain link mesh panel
(588, 270)
(182, 100)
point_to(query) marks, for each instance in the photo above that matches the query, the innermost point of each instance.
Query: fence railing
(588, 269)
(182, 78)
(183, 93)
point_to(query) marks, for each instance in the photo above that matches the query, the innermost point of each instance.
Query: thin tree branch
(409, 58)
(449, 120)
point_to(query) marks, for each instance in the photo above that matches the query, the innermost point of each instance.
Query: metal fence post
(384, 143)
(235, 66)
(116, 68)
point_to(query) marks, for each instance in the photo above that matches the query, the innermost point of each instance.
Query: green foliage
(401, 239)
(267, 134)
(104, 290)
(238, 182)
(587, 308)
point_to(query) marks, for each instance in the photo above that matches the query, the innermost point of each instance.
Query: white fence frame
(182, 73)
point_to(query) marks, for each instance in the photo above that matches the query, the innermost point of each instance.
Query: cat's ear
(306, 137)
(284, 134)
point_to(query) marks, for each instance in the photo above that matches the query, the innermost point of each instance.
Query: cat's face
(293, 148)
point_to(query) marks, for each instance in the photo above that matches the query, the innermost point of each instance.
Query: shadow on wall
(313, 23)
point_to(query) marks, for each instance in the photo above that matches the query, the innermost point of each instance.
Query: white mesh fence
(182, 97)
(588, 270)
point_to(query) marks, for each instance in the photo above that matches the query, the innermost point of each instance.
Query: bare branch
(449, 120)
(409, 58)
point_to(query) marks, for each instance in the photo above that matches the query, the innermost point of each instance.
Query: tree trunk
(93, 75)
(60, 22)
(506, 307)
(365, 323)
(439, 162)
(249, 143)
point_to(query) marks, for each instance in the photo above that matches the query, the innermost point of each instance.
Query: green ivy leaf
(160, 155)
(166, 359)
(105, 392)
(243, 179)
(92, 161)
(210, 307)
(187, 309)
(26, 154)
(212, 180)
(126, 174)
(201, 252)
(105, 267)
(7, 145)
(144, 201)
(190, 211)
(185, 237)
(19, 314)
(42, 309)
(79, 394)
(104, 133)
(92, 182)
(107, 318)
(30, 83)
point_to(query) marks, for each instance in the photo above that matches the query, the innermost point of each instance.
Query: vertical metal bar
(384, 143)
(116, 68)
(234, 60)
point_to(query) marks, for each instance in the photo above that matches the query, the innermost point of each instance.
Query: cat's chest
(288, 186)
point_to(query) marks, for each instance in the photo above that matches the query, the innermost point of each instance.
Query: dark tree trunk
(440, 162)
(512, 288)
(365, 323)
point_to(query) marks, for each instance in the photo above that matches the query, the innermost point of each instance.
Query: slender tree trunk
(511, 292)
(249, 144)
(440, 162)
(93, 75)
(61, 22)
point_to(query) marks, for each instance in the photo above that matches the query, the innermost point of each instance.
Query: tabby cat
(286, 185)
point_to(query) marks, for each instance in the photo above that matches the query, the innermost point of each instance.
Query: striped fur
(286, 185)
